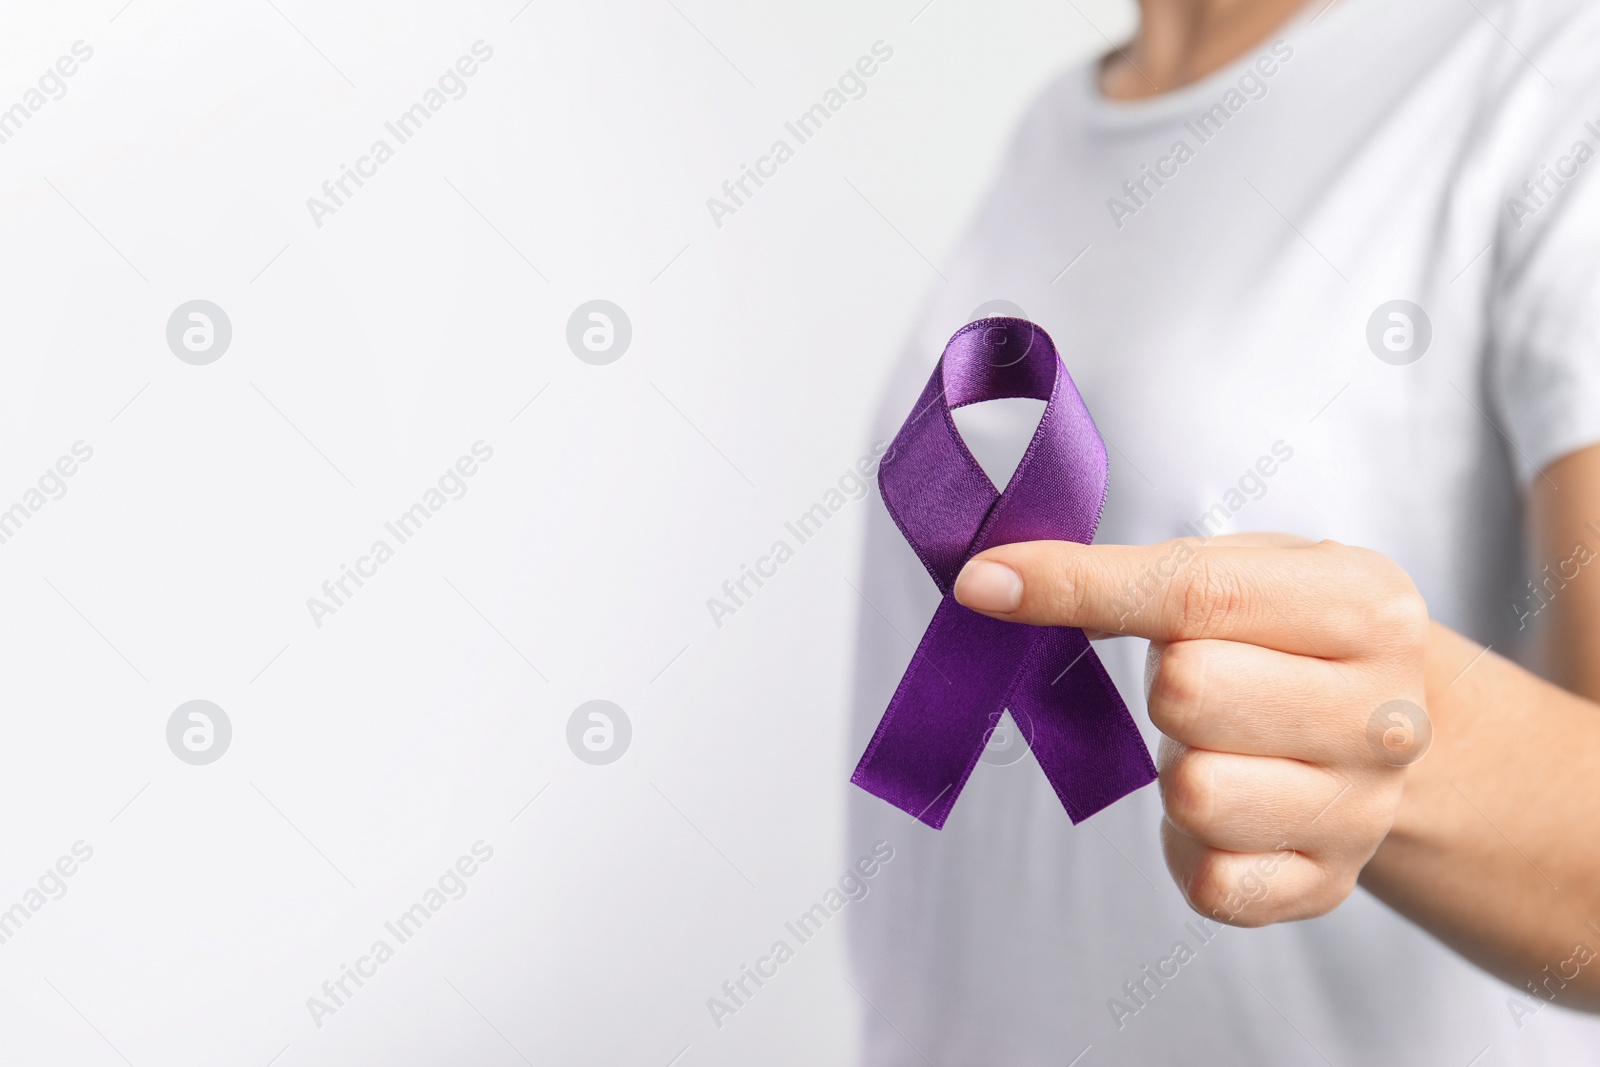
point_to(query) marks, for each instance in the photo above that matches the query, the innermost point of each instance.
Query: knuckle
(1188, 790)
(1331, 890)
(1402, 616)
(1396, 610)
(1208, 888)
(1176, 690)
(1206, 599)
(1069, 591)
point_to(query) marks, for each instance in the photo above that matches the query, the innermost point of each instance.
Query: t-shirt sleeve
(1544, 308)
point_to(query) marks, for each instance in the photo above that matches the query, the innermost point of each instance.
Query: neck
(1181, 41)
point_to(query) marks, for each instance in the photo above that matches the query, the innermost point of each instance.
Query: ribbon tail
(1077, 725)
(948, 700)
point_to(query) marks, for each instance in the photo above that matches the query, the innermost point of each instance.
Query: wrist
(1425, 805)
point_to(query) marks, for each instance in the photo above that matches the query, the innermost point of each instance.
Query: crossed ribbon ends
(969, 667)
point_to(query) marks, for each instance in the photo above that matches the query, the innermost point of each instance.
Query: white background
(367, 355)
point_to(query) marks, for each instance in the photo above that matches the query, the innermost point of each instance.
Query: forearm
(1495, 847)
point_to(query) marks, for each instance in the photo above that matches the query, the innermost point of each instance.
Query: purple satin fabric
(969, 666)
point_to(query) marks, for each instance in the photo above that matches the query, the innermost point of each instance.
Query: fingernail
(984, 585)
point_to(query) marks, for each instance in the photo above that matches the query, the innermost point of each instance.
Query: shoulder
(1548, 45)
(1536, 99)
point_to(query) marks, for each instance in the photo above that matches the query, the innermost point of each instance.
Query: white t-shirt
(1211, 318)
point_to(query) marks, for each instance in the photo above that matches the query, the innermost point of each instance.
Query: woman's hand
(1287, 677)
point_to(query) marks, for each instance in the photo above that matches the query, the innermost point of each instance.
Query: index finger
(1305, 599)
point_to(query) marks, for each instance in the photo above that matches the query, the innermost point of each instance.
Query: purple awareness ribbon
(969, 667)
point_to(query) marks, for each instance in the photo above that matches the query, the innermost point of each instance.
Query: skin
(1270, 656)
(1181, 41)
